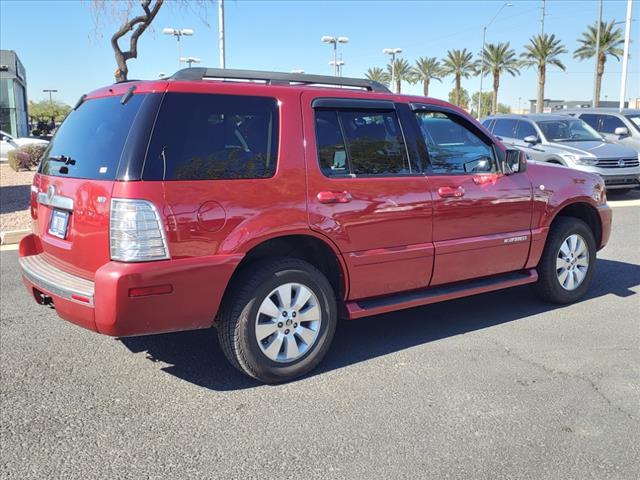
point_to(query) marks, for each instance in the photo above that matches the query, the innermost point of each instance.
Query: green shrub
(26, 157)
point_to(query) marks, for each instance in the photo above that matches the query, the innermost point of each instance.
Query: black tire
(548, 286)
(237, 316)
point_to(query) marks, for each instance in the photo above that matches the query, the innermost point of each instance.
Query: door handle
(334, 197)
(451, 192)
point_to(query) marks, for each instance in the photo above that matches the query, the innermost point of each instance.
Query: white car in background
(8, 143)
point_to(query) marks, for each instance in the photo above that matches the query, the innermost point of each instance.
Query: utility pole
(544, 5)
(221, 31)
(596, 100)
(625, 59)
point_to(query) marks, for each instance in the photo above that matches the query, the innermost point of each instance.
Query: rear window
(211, 137)
(90, 141)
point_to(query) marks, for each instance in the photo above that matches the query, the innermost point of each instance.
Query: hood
(596, 148)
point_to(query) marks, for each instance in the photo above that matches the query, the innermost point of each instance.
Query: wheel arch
(583, 211)
(307, 246)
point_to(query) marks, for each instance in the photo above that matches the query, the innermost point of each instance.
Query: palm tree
(377, 74)
(543, 50)
(402, 72)
(460, 64)
(499, 59)
(610, 41)
(425, 70)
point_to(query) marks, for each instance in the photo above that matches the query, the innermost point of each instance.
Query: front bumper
(628, 177)
(105, 304)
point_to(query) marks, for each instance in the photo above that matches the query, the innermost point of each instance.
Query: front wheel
(567, 263)
(278, 320)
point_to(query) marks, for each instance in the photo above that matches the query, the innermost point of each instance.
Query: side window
(332, 153)
(504, 128)
(524, 130)
(360, 143)
(610, 123)
(591, 119)
(212, 137)
(454, 148)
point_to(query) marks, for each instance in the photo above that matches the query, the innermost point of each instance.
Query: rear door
(367, 194)
(71, 195)
(482, 218)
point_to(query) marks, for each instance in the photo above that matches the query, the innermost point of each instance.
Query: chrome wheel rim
(288, 322)
(572, 262)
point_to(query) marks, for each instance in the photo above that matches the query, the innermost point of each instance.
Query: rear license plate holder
(58, 223)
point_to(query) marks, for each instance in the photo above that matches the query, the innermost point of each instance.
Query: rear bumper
(104, 305)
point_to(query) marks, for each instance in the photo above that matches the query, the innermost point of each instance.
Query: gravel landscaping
(14, 199)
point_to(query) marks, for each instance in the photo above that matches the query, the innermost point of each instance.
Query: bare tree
(135, 17)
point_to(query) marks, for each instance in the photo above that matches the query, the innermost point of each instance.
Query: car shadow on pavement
(14, 198)
(197, 358)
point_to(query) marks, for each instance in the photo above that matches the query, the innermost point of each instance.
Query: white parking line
(624, 203)
(4, 248)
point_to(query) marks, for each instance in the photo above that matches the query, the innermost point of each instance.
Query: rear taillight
(135, 232)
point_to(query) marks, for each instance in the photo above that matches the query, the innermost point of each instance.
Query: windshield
(90, 141)
(568, 130)
(635, 121)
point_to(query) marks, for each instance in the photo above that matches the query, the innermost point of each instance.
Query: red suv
(270, 204)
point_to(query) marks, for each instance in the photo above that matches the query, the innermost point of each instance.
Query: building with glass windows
(13, 95)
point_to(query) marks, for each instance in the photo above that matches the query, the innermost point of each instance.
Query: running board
(416, 298)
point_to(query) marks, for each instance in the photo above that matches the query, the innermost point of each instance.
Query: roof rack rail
(277, 78)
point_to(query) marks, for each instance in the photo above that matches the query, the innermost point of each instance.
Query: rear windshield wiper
(62, 158)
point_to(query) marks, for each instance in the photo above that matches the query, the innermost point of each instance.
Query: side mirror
(515, 162)
(531, 139)
(621, 131)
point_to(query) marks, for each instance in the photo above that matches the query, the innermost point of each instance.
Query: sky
(62, 48)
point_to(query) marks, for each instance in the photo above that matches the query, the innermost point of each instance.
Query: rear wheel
(567, 264)
(278, 320)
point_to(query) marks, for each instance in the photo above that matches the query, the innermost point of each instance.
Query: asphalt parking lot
(493, 386)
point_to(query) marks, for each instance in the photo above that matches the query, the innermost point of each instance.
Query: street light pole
(334, 41)
(189, 60)
(50, 92)
(176, 32)
(625, 59)
(392, 52)
(221, 32)
(596, 100)
(484, 37)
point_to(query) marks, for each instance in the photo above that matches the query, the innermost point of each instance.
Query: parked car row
(571, 141)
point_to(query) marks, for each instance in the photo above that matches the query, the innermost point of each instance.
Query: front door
(367, 194)
(482, 218)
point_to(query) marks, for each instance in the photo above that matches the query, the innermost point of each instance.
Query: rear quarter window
(90, 141)
(213, 137)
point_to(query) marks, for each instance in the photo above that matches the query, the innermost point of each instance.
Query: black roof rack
(277, 78)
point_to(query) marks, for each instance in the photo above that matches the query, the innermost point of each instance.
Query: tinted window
(525, 129)
(454, 148)
(487, 123)
(90, 141)
(332, 154)
(375, 143)
(504, 128)
(372, 143)
(210, 137)
(635, 121)
(591, 120)
(610, 123)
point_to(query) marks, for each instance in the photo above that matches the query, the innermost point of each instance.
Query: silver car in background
(616, 126)
(568, 141)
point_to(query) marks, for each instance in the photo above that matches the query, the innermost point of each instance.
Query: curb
(13, 236)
